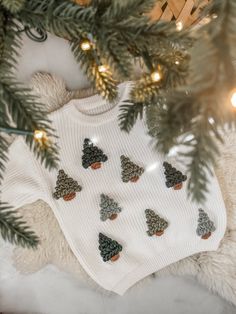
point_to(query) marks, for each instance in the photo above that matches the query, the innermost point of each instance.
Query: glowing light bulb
(102, 68)
(179, 26)
(40, 137)
(214, 16)
(85, 45)
(205, 20)
(156, 76)
(211, 120)
(177, 62)
(233, 99)
(38, 134)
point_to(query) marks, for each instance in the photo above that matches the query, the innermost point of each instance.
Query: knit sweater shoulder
(81, 125)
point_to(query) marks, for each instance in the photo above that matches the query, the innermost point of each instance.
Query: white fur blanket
(215, 270)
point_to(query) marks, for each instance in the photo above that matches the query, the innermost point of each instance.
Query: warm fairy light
(177, 62)
(214, 16)
(40, 137)
(211, 120)
(179, 26)
(38, 134)
(233, 99)
(205, 20)
(85, 45)
(156, 76)
(102, 68)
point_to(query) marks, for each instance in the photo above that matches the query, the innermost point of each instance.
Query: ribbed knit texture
(26, 181)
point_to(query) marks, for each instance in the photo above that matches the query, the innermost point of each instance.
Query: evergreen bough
(130, 171)
(191, 106)
(205, 225)
(109, 249)
(156, 224)
(109, 208)
(92, 155)
(174, 177)
(15, 230)
(66, 187)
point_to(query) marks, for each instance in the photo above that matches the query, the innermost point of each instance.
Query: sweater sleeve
(22, 180)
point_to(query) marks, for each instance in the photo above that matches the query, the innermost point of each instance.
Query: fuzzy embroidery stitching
(174, 177)
(130, 171)
(109, 249)
(109, 208)
(66, 187)
(92, 155)
(205, 225)
(156, 224)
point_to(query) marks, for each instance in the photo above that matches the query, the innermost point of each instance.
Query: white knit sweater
(26, 180)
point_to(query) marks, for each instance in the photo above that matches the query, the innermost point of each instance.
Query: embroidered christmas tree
(66, 187)
(174, 178)
(92, 155)
(130, 171)
(109, 249)
(109, 208)
(205, 225)
(156, 224)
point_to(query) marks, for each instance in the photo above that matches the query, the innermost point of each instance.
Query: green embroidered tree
(130, 171)
(66, 187)
(205, 225)
(109, 249)
(156, 224)
(109, 208)
(174, 178)
(92, 155)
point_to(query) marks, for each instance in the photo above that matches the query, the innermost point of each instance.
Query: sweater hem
(155, 264)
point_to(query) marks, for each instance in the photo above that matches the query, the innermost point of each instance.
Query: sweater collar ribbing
(94, 109)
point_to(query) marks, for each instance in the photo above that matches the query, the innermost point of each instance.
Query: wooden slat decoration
(186, 11)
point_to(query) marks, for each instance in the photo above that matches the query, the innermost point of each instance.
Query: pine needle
(15, 230)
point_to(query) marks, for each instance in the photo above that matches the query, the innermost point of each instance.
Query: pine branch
(202, 153)
(63, 18)
(119, 10)
(3, 155)
(18, 102)
(116, 54)
(102, 81)
(13, 5)
(15, 230)
(129, 113)
(28, 114)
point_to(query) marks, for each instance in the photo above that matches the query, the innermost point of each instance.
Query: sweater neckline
(96, 110)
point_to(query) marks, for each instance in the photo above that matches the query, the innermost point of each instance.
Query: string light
(205, 20)
(211, 120)
(233, 99)
(179, 26)
(214, 16)
(156, 76)
(40, 137)
(177, 62)
(102, 68)
(85, 45)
